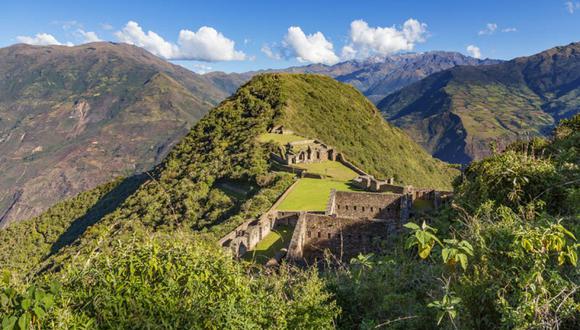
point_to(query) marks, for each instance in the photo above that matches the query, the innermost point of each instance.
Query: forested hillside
(503, 255)
(72, 118)
(455, 114)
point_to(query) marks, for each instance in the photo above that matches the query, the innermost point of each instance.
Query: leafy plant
(422, 237)
(26, 310)
(456, 251)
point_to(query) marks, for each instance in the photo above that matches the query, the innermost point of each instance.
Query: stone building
(354, 222)
(308, 151)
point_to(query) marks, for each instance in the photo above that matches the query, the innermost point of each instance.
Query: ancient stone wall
(248, 234)
(366, 205)
(343, 237)
(342, 159)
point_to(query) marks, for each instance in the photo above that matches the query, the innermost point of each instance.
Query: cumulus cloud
(40, 39)
(367, 41)
(133, 34)
(572, 6)
(88, 36)
(206, 44)
(314, 48)
(474, 51)
(490, 29)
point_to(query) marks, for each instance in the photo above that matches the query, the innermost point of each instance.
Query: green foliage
(320, 107)
(25, 310)
(422, 237)
(36, 239)
(456, 251)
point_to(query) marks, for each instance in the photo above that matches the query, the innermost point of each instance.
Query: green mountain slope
(185, 191)
(455, 114)
(319, 107)
(75, 117)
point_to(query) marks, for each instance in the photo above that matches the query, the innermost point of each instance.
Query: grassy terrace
(272, 243)
(280, 138)
(331, 169)
(312, 194)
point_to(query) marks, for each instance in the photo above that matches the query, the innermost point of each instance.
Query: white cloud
(133, 34)
(40, 39)
(572, 6)
(271, 53)
(490, 29)
(312, 48)
(206, 44)
(509, 29)
(89, 36)
(474, 51)
(367, 41)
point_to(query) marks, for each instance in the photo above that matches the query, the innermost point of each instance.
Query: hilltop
(186, 190)
(76, 117)
(456, 113)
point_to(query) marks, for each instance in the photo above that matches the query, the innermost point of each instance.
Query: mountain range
(457, 113)
(375, 77)
(72, 118)
(75, 117)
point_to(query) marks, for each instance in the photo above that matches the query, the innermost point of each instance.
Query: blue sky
(249, 35)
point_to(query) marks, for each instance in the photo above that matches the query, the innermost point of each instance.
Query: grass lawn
(331, 169)
(312, 194)
(280, 138)
(272, 243)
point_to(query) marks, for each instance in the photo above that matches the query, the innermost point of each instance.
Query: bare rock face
(75, 117)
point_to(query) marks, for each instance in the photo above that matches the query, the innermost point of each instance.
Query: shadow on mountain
(103, 207)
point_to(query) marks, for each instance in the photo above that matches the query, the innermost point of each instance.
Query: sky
(238, 36)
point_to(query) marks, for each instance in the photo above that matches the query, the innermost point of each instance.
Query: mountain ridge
(75, 117)
(456, 113)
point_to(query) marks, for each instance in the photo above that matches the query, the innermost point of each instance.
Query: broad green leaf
(411, 225)
(463, 260)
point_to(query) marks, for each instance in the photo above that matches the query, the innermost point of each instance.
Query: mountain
(455, 114)
(374, 77)
(186, 191)
(75, 117)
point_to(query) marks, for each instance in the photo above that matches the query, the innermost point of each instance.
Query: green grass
(272, 243)
(331, 169)
(280, 138)
(312, 194)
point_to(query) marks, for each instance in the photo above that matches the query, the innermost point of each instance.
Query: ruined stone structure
(308, 151)
(353, 223)
(435, 197)
(342, 237)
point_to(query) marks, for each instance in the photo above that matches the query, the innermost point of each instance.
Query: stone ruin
(304, 151)
(353, 222)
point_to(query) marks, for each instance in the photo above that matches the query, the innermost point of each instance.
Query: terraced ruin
(333, 208)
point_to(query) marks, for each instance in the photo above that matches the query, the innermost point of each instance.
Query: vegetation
(505, 256)
(281, 139)
(319, 107)
(271, 244)
(456, 113)
(312, 194)
(331, 169)
(141, 252)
